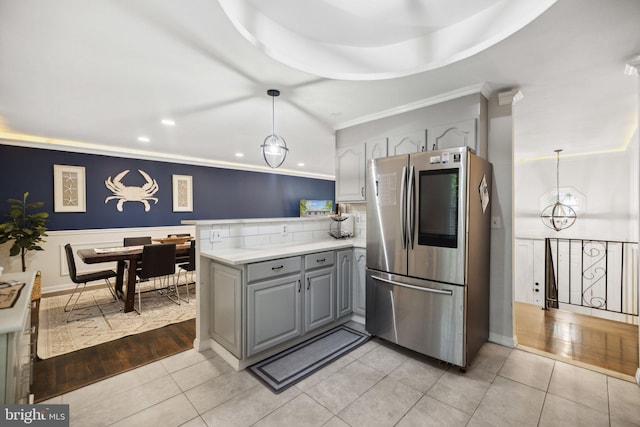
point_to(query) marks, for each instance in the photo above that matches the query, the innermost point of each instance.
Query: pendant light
(558, 215)
(274, 148)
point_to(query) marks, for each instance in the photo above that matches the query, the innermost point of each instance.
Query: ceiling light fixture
(274, 148)
(143, 139)
(168, 122)
(558, 215)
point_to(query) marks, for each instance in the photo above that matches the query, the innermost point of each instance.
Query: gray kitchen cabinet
(319, 298)
(458, 134)
(359, 281)
(411, 142)
(320, 290)
(256, 309)
(226, 307)
(350, 173)
(345, 278)
(274, 310)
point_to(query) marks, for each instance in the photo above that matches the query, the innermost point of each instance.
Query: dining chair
(137, 241)
(180, 258)
(188, 268)
(158, 261)
(83, 279)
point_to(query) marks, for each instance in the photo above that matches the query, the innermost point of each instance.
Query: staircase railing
(594, 274)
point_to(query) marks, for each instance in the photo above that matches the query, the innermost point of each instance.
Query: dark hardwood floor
(67, 372)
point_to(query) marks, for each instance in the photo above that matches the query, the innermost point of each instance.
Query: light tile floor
(377, 384)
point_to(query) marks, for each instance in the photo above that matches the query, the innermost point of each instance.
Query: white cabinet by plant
(345, 279)
(350, 173)
(15, 344)
(458, 134)
(359, 281)
(412, 142)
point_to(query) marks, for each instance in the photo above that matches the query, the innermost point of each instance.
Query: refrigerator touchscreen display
(438, 208)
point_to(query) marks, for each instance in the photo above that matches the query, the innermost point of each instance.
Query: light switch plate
(495, 222)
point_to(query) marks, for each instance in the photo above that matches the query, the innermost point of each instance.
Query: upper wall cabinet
(458, 134)
(376, 148)
(350, 173)
(413, 142)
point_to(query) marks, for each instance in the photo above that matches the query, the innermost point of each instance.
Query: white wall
(500, 154)
(608, 182)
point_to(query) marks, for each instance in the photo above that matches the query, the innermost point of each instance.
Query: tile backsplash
(248, 234)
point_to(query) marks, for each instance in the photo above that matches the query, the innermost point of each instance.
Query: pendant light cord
(273, 114)
(558, 175)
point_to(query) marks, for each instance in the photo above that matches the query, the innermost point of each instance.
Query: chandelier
(558, 215)
(274, 148)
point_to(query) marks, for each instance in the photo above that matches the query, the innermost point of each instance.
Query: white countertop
(12, 319)
(239, 256)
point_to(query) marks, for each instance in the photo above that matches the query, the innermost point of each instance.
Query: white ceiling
(95, 75)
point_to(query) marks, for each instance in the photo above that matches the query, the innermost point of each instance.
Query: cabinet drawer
(272, 268)
(321, 259)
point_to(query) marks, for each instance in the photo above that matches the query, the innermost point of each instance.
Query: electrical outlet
(284, 230)
(215, 236)
(495, 222)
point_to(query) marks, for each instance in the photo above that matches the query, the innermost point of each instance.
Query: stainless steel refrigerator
(428, 241)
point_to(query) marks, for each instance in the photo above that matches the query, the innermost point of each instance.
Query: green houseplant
(26, 229)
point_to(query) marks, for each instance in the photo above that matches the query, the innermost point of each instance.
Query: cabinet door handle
(362, 191)
(299, 286)
(277, 268)
(321, 260)
(308, 283)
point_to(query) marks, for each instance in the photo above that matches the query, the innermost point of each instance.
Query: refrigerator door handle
(403, 207)
(417, 288)
(410, 210)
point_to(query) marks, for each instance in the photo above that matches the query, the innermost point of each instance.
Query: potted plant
(26, 229)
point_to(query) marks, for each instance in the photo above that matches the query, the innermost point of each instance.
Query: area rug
(285, 369)
(92, 324)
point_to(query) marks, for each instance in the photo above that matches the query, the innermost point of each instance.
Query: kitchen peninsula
(264, 285)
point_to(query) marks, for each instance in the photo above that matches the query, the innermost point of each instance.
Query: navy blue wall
(217, 193)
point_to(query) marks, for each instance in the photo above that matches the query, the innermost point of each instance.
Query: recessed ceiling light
(239, 155)
(168, 122)
(301, 164)
(143, 139)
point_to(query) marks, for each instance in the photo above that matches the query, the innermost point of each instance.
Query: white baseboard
(503, 340)
(358, 318)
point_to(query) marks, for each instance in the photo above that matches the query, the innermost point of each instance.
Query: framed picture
(182, 193)
(69, 189)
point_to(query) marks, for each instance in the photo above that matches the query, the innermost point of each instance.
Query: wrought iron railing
(594, 274)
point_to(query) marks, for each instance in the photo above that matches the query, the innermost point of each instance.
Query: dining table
(123, 256)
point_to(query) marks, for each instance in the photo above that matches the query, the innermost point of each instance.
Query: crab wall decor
(123, 193)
